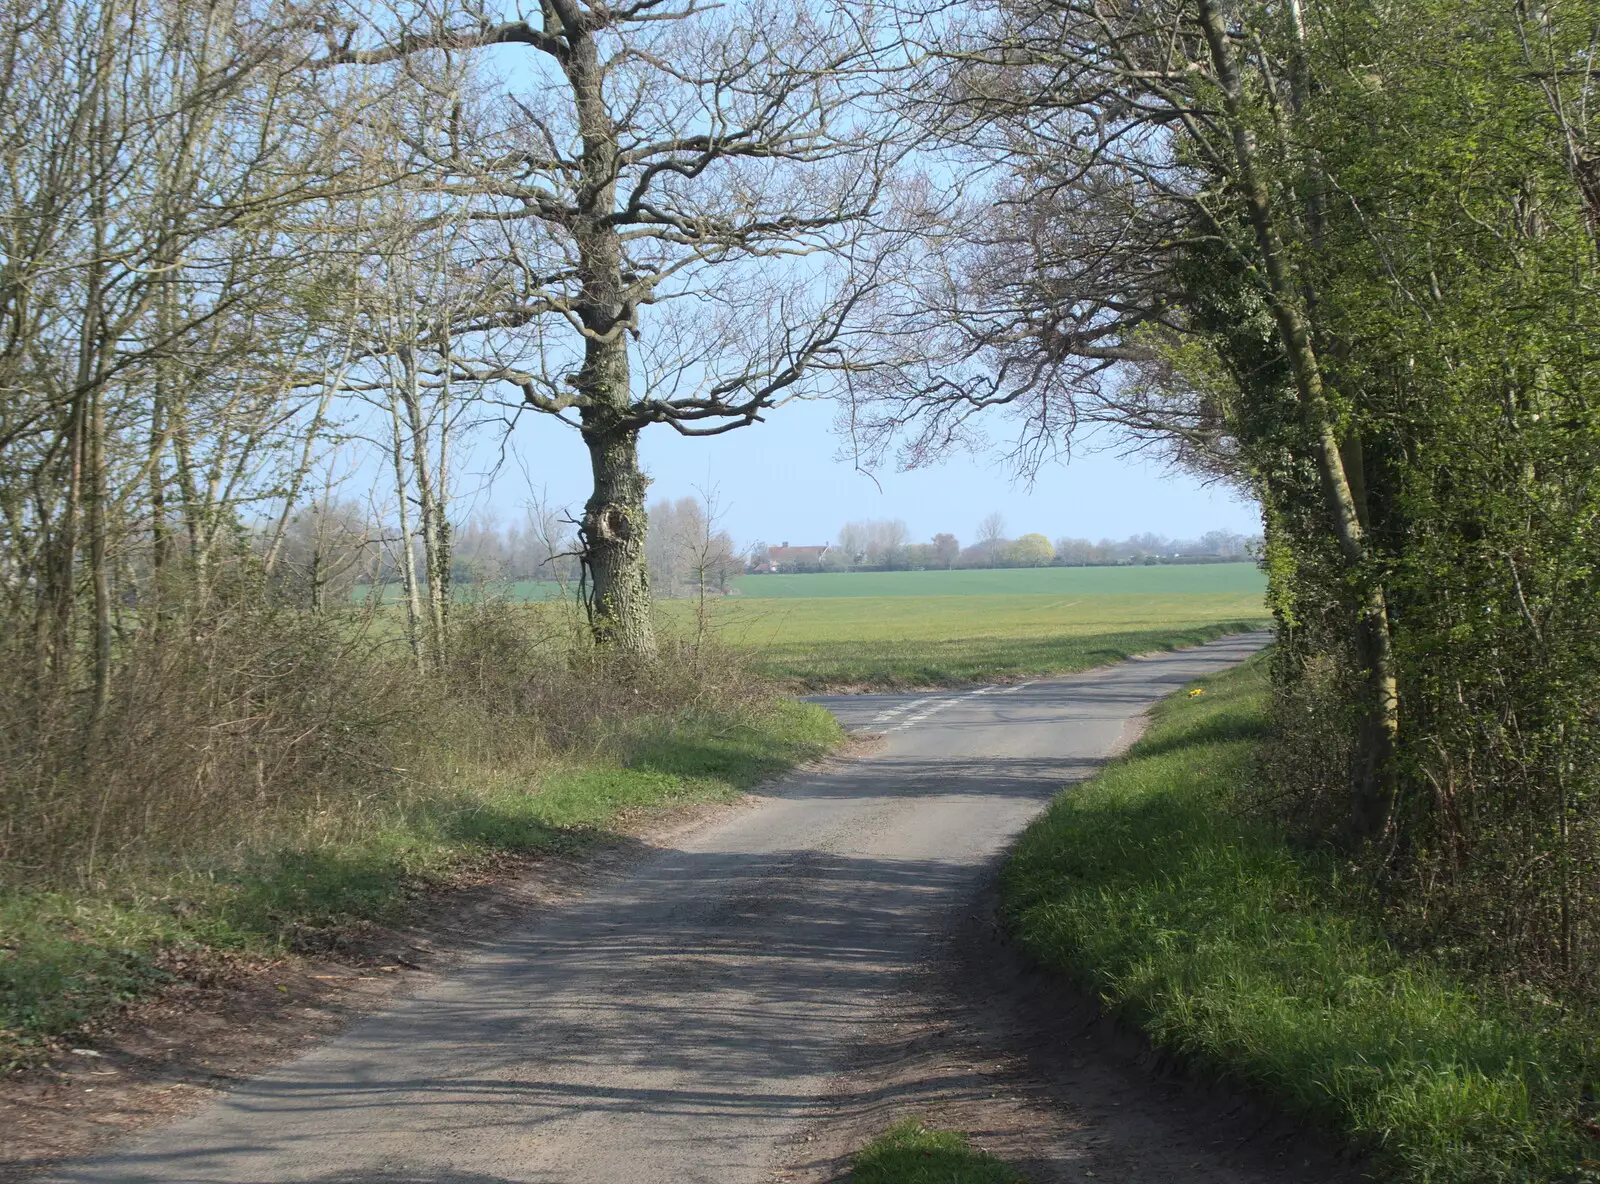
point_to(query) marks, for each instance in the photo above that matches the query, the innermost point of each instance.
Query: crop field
(907, 629)
(1179, 579)
(1166, 579)
(932, 628)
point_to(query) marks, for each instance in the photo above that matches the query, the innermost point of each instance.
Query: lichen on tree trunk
(613, 541)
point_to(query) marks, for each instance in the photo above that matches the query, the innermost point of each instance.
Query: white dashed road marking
(886, 716)
(918, 710)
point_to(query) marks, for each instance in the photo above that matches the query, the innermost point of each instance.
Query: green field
(1165, 579)
(882, 641)
(906, 629)
(1182, 579)
(933, 628)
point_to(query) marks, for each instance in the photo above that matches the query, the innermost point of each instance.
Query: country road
(696, 1016)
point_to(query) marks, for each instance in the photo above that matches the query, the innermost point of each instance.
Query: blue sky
(783, 480)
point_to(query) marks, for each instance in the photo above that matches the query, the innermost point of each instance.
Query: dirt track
(754, 998)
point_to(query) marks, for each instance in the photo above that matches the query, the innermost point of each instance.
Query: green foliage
(1469, 303)
(1031, 550)
(1159, 887)
(910, 1153)
(1436, 222)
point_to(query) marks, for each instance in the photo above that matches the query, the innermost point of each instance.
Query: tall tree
(1152, 166)
(151, 305)
(992, 538)
(690, 205)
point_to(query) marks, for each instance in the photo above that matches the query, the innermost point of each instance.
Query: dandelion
(1196, 692)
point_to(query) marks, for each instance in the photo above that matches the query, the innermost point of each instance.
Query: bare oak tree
(687, 210)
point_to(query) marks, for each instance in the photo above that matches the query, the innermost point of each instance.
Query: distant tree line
(687, 551)
(338, 548)
(884, 545)
(335, 548)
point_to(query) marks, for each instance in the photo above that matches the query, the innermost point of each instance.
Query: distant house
(786, 558)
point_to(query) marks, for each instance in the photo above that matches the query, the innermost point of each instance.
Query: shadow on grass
(51, 982)
(1219, 729)
(699, 759)
(738, 752)
(1252, 960)
(727, 759)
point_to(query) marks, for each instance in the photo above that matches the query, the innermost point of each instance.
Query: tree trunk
(443, 551)
(158, 503)
(64, 576)
(99, 561)
(193, 513)
(613, 540)
(1373, 644)
(407, 560)
(614, 517)
(319, 564)
(297, 479)
(431, 509)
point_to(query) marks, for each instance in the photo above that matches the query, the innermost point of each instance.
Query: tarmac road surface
(684, 1019)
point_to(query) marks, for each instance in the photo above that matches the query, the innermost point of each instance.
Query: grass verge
(910, 1153)
(927, 637)
(1152, 886)
(958, 644)
(68, 959)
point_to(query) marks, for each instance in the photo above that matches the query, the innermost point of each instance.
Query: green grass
(1197, 920)
(67, 959)
(1190, 579)
(933, 628)
(943, 640)
(910, 1153)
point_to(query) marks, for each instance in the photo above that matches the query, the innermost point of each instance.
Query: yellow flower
(1197, 691)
